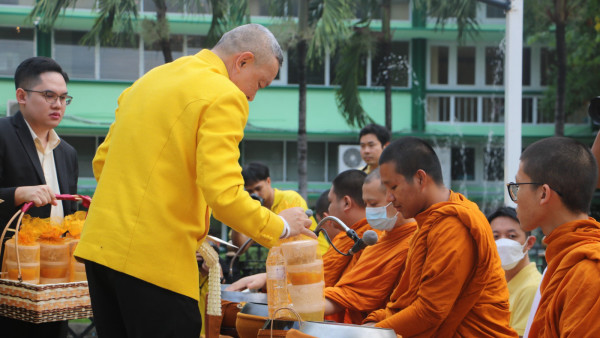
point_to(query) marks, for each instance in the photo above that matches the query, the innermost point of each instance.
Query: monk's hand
(40, 195)
(298, 221)
(253, 282)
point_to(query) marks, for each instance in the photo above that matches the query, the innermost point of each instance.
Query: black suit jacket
(20, 166)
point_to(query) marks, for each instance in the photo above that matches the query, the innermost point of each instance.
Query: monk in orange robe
(345, 203)
(453, 283)
(553, 190)
(368, 285)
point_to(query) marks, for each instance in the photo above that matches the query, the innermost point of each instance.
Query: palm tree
(321, 25)
(349, 70)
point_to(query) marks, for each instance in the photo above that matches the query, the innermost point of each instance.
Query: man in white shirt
(35, 164)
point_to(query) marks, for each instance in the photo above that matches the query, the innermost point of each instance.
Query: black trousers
(13, 328)
(125, 306)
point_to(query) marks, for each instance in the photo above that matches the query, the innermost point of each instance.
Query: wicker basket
(48, 302)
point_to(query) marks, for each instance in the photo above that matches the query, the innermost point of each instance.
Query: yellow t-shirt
(521, 291)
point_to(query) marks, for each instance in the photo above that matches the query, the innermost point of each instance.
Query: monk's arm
(332, 307)
(450, 259)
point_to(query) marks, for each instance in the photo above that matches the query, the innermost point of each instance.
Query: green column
(418, 57)
(43, 43)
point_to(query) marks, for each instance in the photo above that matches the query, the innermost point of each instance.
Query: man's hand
(298, 222)
(40, 195)
(253, 282)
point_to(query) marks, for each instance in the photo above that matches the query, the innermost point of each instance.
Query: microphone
(369, 238)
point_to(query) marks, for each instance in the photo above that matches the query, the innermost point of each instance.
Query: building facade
(448, 92)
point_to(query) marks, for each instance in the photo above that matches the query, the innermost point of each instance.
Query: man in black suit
(35, 164)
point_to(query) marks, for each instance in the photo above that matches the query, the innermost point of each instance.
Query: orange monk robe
(570, 291)
(334, 264)
(369, 284)
(453, 283)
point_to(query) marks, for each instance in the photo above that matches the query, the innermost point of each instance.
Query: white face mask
(377, 218)
(511, 252)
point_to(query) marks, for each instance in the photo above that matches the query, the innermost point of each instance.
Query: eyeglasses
(513, 188)
(51, 96)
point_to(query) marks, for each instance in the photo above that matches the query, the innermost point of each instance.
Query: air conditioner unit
(349, 157)
(12, 106)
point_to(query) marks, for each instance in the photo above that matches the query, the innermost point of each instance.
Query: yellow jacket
(170, 156)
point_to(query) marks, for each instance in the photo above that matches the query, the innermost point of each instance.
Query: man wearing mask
(369, 284)
(522, 276)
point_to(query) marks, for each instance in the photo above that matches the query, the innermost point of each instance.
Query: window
(16, 45)
(463, 164)
(465, 109)
(269, 153)
(493, 158)
(547, 59)
(362, 81)
(493, 109)
(120, 62)
(439, 65)
(400, 10)
(399, 66)
(465, 70)
(315, 74)
(494, 12)
(86, 149)
(195, 43)
(438, 109)
(77, 60)
(526, 66)
(315, 161)
(527, 110)
(494, 66)
(172, 6)
(153, 54)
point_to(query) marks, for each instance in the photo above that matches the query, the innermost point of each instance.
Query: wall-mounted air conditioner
(349, 157)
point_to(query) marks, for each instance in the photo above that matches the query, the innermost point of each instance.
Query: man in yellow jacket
(257, 181)
(171, 157)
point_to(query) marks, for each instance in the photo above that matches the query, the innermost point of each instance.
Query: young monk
(553, 190)
(369, 284)
(345, 203)
(453, 283)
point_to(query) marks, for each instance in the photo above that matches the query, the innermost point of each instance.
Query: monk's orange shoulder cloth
(453, 283)
(335, 264)
(570, 291)
(368, 286)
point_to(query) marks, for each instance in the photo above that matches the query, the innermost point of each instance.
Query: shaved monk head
(410, 154)
(566, 166)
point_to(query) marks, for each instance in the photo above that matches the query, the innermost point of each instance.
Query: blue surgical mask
(377, 218)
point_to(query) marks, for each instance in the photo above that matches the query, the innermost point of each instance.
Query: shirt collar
(53, 139)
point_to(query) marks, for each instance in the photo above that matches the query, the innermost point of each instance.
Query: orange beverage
(30, 272)
(309, 273)
(300, 278)
(54, 270)
(27, 253)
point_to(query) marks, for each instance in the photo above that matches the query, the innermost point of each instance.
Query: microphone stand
(349, 232)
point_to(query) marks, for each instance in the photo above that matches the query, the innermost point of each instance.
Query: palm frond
(348, 74)
(115, 24)
(45, 12)
(462, 11)
(331, 29)
(226, 15)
